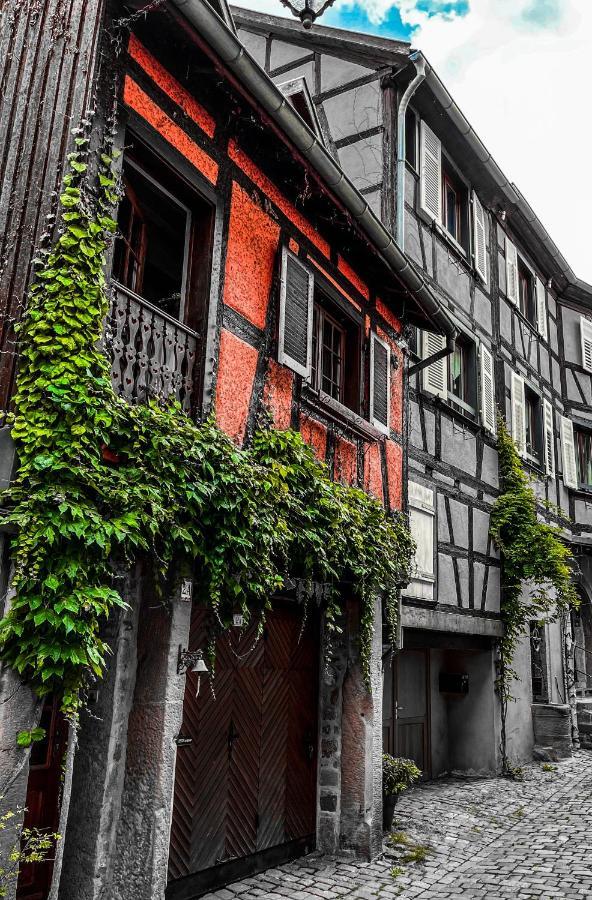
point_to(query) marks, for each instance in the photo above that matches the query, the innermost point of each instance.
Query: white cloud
(521, 71)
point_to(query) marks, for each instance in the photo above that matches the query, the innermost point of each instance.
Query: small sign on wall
(238, 620)
(186, 591)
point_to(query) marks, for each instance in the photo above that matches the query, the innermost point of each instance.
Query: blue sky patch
(354, 18)
(542, 13)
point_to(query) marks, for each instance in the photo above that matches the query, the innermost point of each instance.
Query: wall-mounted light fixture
(307, 10)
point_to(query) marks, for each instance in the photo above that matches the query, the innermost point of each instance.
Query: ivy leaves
(533, 553)
(177, 494)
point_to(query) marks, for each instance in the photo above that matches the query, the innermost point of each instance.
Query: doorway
(406, 708)
(245, 789)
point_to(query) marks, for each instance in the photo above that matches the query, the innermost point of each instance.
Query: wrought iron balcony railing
(152, 354)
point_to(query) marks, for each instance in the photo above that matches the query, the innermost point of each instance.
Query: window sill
(318, 401)
(470, 421)
(445, 234)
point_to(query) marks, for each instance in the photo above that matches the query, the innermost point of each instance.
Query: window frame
(577, 431)
(452, 176)
(526, 274)
(467, 406)
(531, 396)
(299, 86)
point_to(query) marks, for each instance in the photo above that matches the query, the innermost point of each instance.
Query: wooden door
(406, 708)
(43, 798)
(247, 780)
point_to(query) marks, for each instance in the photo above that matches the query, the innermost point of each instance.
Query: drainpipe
(420, 73)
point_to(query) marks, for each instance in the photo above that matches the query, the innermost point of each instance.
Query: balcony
(152, 354)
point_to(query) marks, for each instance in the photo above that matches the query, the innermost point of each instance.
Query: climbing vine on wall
(533, 555)
(171, 491)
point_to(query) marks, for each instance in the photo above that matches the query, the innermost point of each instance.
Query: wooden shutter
(549, 434)
(422, 522)
(430, 168)
(380, 383)
(518, 412)
(511, 272)
(487, 390)
(570, 472)
(480, 248)
(541, 306)
(296, 308)
(435, 377)
(586, 335)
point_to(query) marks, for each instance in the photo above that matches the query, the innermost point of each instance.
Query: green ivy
(177, 494)
(533, 554)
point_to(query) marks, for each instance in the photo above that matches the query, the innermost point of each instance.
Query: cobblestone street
(477, 838)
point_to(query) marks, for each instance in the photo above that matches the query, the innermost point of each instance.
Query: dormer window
(298, 95)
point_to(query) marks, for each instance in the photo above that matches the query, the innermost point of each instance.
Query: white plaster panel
(362, 161)
(337, 72)
(283, 53)
(354, 111)
(255, 44)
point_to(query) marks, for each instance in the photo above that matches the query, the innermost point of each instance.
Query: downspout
(420, 74)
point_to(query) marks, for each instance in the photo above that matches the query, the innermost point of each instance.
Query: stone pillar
(98, 770)
(361, 745)
(334, 654)
(138, 867)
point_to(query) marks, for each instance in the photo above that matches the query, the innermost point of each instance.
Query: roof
(485, 173)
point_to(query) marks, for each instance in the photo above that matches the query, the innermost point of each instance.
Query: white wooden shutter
(480, 248)
(380, 383)
(296, 310)
(511, 271)
(487, 390)
(435, 376)
(422, 522)
(518, 412)
(549, 433)
(570, 472)
(430, 171)
(586, 335)
(541, 305)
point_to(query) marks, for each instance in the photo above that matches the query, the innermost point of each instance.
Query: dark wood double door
(246, 783)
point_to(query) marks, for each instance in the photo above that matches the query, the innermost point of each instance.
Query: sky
(521, 71)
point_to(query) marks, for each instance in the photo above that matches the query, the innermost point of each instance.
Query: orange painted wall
(252, 251)
(237, 363)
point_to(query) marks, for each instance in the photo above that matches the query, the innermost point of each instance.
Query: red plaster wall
(137, 99)
(394, 466)
(252, 248)
(373, 470)
(349, 273)
(346, 461)
(171, 86)
(278, 394)
(397, 391)
(268, 187)
(388, 315)
(236, 372)
(314, 434)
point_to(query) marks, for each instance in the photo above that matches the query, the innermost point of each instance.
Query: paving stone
(488, 839)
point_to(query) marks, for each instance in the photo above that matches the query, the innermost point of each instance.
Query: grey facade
(518, 309)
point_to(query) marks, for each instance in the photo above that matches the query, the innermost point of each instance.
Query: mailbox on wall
(454, 683)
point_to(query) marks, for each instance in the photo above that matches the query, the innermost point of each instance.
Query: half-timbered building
(522, 348)
(250, 276)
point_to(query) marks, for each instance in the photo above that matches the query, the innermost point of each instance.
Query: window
(453, 377)
(583, 443)
(461, 374)
(328, 352)
(298, 95)
(163, 248)
(320, 338)
(411, 138)
(454, 204)
(533, 423)
(527, 420)
(335, 363)
(526, 300)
